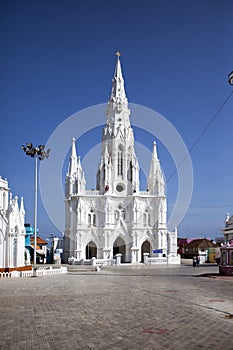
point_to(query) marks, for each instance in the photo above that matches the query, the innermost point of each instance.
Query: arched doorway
(119, 248)
(91, 250)
(146, 248)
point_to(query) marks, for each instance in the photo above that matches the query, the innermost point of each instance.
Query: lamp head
(230, 78)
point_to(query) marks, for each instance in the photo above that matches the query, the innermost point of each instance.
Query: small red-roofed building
(190, 247)
(41, 250)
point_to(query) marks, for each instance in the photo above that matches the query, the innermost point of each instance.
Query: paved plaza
(126, 307)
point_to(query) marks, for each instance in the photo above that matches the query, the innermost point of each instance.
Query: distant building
(190, 247)
(228, 229)
(41, 249)
(219, 240)
(12, 230)
(117, 218)
(226, 260)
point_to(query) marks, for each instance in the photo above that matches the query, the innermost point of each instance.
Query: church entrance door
(91, 250)
(119, 247)
(146, 248)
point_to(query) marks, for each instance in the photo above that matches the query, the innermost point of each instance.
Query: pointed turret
(10, 199)
(154, 152)
(22, 210)
(106, 154)
(75, 178)
(156, 183)
(81, 181)
(73, 159)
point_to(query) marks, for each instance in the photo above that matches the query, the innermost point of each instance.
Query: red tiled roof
(201, 243)
(39, 241)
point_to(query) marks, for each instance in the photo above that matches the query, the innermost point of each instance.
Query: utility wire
(211, 206)
(201, 134)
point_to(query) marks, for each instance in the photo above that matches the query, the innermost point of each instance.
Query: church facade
(117, 217)
(12, 230)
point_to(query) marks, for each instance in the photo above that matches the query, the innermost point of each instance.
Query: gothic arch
(147, 217)
(91, 216)
(119, 247)
(120, 157)
(145, 248)
(129, 164)
(91, 250)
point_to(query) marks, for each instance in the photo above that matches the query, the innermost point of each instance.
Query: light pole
(37, 153)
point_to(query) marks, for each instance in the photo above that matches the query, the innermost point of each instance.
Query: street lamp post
(37, 153)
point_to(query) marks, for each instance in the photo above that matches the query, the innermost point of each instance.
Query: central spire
(119, 169)
(118, 111)
(118, 90)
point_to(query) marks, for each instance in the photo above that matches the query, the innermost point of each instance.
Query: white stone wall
(12, 231)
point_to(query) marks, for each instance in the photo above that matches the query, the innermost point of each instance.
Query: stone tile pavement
(127, 307)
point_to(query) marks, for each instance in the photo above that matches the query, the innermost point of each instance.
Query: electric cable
(200, 136)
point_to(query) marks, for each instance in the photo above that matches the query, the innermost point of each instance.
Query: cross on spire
(118, 54)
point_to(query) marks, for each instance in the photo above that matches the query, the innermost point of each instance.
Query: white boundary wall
(29, 273)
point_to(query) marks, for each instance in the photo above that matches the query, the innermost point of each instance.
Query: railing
(144, 193)
(39, 272)
(103, 262)
(164, 260)
(93, 261)
(74, 261)
(157, 260)
(9, 274)
(92, 193)
(27, 273)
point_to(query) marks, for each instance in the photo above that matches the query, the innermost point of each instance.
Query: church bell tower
(118, 171)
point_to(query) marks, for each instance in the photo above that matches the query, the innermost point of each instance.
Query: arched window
(116, 215)
(146, 218)
(119, 213)
(130, 171)
(4, 201)
(91, 250)
(120, 161)
(91, 218)
(94, 219)
(130, 167)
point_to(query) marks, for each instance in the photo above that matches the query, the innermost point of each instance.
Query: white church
(117, 219)
(12, 230)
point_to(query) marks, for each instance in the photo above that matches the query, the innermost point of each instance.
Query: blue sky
(57, 57)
